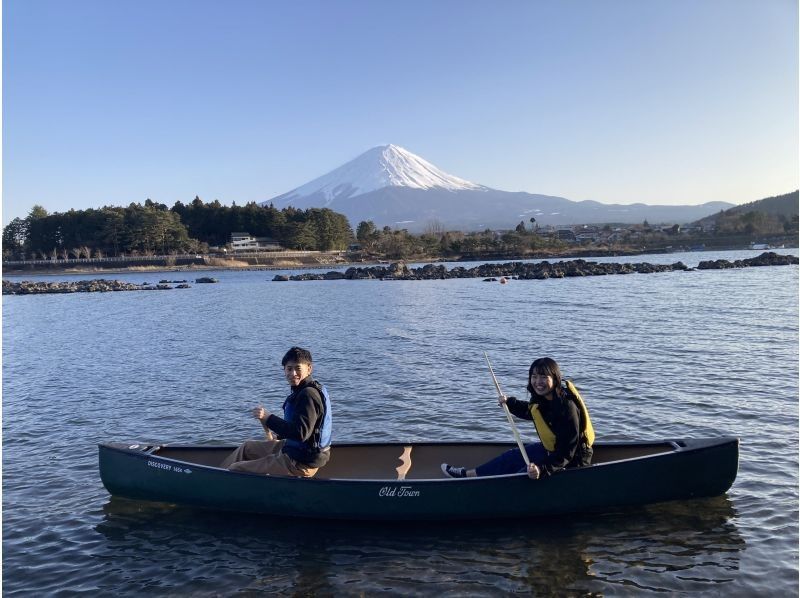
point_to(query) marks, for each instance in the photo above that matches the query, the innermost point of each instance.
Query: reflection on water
(672, 547)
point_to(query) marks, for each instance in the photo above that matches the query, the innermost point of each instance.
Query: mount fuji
(393, 187)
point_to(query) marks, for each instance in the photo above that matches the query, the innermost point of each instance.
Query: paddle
(508, 413)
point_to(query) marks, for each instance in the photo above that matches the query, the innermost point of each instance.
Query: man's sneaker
(453, 472)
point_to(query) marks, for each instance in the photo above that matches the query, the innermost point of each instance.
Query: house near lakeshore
(247, 242)
(588, 234)
(566, 234)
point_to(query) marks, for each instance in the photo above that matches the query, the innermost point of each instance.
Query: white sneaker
(453, 472)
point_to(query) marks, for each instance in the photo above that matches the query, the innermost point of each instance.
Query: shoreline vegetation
(209, 235)
(305, 260)
(493, 272)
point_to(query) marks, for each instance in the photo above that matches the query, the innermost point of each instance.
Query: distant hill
(772, 217)
(787, 205)
(393, 187)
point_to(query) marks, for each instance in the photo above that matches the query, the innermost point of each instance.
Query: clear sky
(620, 101)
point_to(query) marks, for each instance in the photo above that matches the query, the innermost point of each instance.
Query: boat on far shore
(762, 246)
(404, 481)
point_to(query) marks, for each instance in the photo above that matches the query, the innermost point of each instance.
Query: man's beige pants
(265, 457)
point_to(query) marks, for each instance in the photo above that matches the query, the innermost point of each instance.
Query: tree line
(153, 228)
(756, 222)
(435, 241)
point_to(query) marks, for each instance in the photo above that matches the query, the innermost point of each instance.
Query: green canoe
(403, 481)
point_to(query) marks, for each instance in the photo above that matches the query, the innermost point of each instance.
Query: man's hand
(533, 471)
(260, 413)
(501, 399)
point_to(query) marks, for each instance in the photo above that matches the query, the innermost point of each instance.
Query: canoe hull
(695, 468)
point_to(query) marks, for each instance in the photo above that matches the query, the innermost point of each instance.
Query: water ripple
(668, 355)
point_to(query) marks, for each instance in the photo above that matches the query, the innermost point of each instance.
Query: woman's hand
(534, 472)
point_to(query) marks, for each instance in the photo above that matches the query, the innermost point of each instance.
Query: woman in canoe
(562, 423)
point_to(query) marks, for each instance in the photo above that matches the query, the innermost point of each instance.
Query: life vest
(321, 436)
(547, 436)
(326, 428)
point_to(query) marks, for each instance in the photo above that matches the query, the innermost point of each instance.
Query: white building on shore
(246, 242)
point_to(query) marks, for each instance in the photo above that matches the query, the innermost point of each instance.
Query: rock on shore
(28, 287)
(768, 258)
(518, 270)
(529, 271)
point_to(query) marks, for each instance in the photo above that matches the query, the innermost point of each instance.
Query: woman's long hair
(545, 366)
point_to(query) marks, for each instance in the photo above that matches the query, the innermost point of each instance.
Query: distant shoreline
(149, 270)
(184, 269)
(490, 272)
(236, 266)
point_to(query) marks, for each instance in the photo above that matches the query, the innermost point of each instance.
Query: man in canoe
(562, 423)
(304, 431)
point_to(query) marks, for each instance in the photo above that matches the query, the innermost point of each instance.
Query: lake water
(679, 354)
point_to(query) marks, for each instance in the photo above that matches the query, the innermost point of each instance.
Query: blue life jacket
(323, 427)
(326, 430)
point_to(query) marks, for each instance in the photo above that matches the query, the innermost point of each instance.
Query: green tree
(302, 235)
(37, 212)
(43, 235)
(15, 235)
(112, 230)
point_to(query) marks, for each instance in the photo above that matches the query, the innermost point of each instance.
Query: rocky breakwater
(527, 271)
(28, 287)
(768, 258)
(516, 270)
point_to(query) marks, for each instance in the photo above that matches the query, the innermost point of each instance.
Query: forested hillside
(154, 228)
(772, 215)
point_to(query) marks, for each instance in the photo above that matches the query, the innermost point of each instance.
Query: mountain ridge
(394, 187)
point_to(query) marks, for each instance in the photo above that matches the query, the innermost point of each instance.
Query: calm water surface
(678, 354)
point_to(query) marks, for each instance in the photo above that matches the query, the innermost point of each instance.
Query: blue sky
(620, 101)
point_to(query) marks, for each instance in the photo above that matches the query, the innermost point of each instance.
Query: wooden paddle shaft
(508, 414)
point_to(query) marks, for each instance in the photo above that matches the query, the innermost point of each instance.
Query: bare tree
(434, 228)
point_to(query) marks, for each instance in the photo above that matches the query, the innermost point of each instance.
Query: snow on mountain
(393, 187)
(379, 167)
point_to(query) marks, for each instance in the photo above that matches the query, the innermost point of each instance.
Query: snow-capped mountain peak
(390, 186)
(382, 166)
(401, 168)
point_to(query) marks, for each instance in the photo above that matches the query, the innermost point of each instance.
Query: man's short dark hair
(298, 355)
